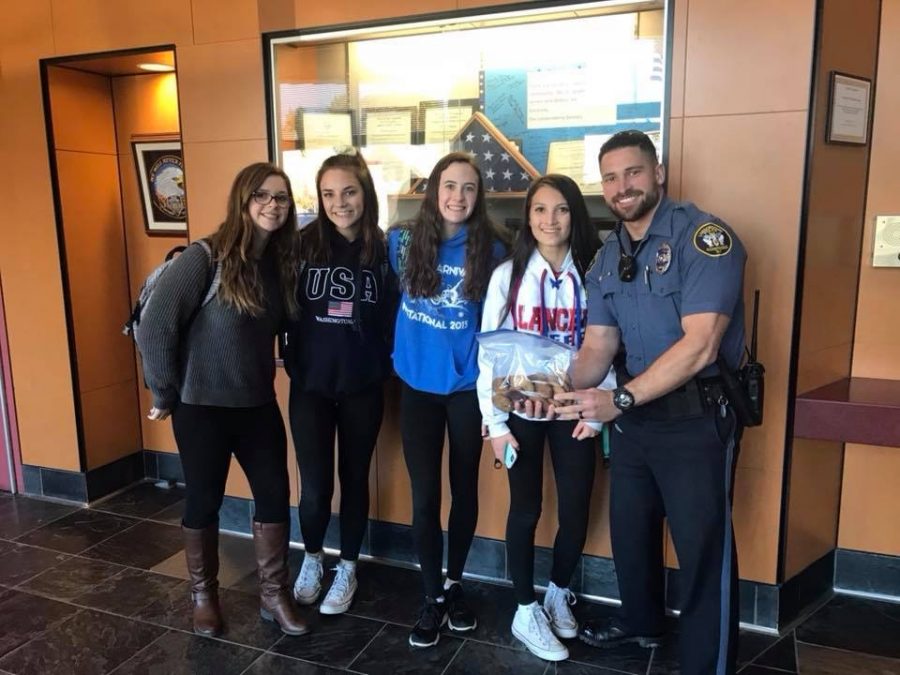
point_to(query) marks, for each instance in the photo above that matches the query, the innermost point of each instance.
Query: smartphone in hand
(510, 455)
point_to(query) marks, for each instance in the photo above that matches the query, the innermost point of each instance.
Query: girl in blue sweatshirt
(444, 259)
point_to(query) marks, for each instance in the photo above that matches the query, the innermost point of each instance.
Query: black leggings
(573, 467)
(314, 419)
(206, 438)
(423, 419)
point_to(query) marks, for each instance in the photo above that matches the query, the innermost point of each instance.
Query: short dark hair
(631, 138)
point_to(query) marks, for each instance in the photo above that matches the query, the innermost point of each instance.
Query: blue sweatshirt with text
(434, 342)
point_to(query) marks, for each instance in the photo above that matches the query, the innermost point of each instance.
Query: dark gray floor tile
(24, 616)
(824, 661)
(494, 606)
(129, 592)
(144, 545)
(388, 593)
(477, 657)
(781, 656)
(140, 501)
(271, 664)
(177, 653)
(760, 670)
(23, 562)
(856, 624)
(71, 578)
(19, 515)
(573, 668)
(6, 545)
(88, 643)
(390, 654)
(171, 514)
(77, 531)
(752, 644)
(243, 625)
(334, 640)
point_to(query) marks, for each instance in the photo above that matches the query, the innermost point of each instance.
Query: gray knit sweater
(220, 358)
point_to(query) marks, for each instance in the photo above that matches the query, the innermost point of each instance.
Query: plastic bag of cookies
(525, 365)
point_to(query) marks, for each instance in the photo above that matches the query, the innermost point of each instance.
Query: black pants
(423, 419)
(573, 468)
(681, 470)
(357, 420)
(208, 435)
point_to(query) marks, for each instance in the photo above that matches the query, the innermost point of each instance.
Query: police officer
(668, 287)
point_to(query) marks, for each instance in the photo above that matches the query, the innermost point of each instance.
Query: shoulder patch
(713, 240)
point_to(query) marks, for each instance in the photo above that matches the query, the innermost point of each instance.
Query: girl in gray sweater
(212, 367)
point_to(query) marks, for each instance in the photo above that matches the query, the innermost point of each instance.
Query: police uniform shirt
(687, 263)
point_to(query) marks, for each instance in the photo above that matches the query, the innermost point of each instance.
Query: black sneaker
(427, 630)
(462, 618)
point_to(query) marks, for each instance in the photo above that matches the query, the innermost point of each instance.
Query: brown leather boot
(201, 549)
(275, 602)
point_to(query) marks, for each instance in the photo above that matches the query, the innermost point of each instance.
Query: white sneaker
(308, 586)
(531, 626)
(556, 603)
(343, 588)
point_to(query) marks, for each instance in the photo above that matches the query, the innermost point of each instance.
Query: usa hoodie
(549, 304)
(434, 339)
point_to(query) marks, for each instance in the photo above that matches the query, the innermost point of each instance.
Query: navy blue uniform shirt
(689, 262)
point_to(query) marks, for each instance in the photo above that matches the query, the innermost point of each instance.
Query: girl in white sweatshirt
(540, 289)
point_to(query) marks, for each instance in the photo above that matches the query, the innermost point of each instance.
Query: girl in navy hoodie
(337, 357)
(444, 260)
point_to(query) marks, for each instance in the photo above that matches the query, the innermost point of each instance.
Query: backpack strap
(403, 241)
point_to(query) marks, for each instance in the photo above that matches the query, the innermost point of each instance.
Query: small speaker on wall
(886, 249)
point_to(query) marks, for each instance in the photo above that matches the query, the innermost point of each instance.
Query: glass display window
(527, 92)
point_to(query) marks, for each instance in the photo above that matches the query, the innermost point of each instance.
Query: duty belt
(692, 399)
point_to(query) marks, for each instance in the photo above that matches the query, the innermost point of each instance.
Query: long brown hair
(421, 277)
(584, 239)
(315, 247)
(232, 244)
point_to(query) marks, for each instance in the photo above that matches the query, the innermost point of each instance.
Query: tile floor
(103, 590)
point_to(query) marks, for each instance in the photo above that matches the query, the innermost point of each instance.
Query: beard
(647, 201)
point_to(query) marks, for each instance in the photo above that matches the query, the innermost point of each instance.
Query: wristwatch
(623, 399)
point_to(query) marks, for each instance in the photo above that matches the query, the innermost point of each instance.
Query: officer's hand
(586, 404)
(158, 414)
(583, 430)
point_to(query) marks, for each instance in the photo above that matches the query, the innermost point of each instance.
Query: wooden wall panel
(870, 502)
(225, 20)
(349, 11)
(836, 184)
(90, 26)
(91, 215)
(29, 256)
(144, 104)
(870, 508)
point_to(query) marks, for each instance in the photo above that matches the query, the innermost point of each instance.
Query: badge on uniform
(663, 258)
(713, 240)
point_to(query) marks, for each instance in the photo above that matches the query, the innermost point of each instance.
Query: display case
(527, 92)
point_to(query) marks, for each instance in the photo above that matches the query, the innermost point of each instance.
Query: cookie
(521, 382)
(500, 384)
(502, 402)
(544, 389)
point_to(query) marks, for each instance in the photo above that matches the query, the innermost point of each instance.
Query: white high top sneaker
(343, 588)
(308, 586)
(531, 626)
(557, 603)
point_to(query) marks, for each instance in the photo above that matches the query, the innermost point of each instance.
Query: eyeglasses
(627, 263)
(263, 198)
